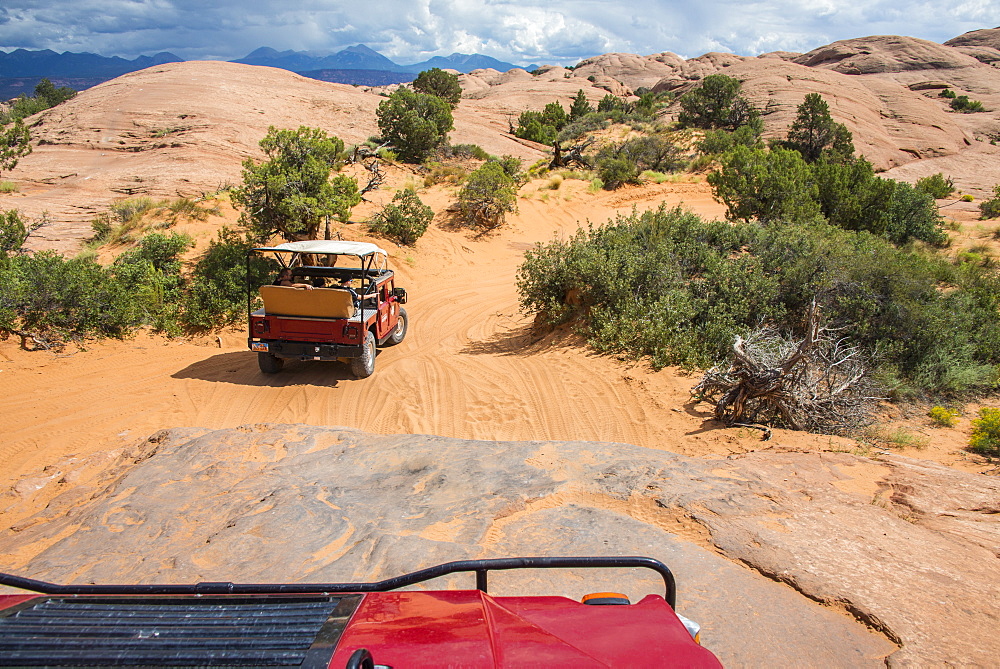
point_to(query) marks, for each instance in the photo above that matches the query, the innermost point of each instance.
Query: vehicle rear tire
(399, 332)
(364, 365)
(269, 364)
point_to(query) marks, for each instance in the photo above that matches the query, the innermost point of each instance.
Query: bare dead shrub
(818, 384)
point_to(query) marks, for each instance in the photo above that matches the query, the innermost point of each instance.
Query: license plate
(259, 346)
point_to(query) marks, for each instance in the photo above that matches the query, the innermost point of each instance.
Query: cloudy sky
(518, 31)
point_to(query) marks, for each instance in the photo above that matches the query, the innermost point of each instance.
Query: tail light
(260, 326)
(351, 332)
(606, 599)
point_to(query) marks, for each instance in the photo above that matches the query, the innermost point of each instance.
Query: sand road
(470, 367)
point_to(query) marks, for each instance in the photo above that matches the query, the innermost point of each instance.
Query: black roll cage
(480, 567)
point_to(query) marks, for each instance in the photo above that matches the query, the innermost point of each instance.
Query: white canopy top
(330, 246)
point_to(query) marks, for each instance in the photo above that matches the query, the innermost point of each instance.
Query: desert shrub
(488, 195)
(967, 198)
(966, 106)
(440, 173)
(610, 103)
(717, 104)
(13, 232)
(131, 209)
(779, 185)
(463, 151)
(947, 93)
(668, 285)
(652, 152)
(716, 142)
(124, 222)
(511, 165)
(190, 208)
(60, 299)
(582, 125)
(619, 164)
(936, 185)
(615, 172)
(152, 272)
(985, 436)
(217, 293)
(414, 123)
(991, 208)
(766, 185)
(8, 187)
(405, 219)
(15, 143)
(943, 416)
(444, 85)
(893, 437)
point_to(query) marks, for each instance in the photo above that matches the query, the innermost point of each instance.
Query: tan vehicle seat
(316, 303)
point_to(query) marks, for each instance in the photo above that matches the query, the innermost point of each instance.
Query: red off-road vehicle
(347, 313)
(350, 625)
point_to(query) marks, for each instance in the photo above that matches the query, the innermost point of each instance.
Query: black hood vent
(210, 631)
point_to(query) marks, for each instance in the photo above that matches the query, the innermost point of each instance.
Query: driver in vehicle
(345, 284)
(285, 279)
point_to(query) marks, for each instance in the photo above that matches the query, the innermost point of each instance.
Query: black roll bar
(480, 567)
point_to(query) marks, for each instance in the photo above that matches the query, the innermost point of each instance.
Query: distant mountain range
(361, 57)
(21, 70)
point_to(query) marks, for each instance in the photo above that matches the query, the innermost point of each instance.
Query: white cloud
(519, 31)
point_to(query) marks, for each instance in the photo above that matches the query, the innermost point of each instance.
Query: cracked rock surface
(913, 554)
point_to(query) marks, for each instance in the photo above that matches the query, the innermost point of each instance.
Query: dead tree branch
(817, 384)
(368, 157)
(571, 155)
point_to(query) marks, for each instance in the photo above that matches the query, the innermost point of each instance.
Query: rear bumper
(303, 350)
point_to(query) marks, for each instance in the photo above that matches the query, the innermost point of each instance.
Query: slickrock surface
(907, 546)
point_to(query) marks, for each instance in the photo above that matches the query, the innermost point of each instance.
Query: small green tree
(544, 126)
(439, 83)
(936, 185)
(851, 196)
(15, 143)
(580, 107)
(46, 95)
(405, 219)
(717, 104)
(13, 232)
(814, 133)
(991, 208)
(291, 192)
(765, 185)
(720, 141)
(611, 103)
(488, 195)
(414, 123)
(218, 284)
(47, 92)
(153, 271)
(966, 106)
